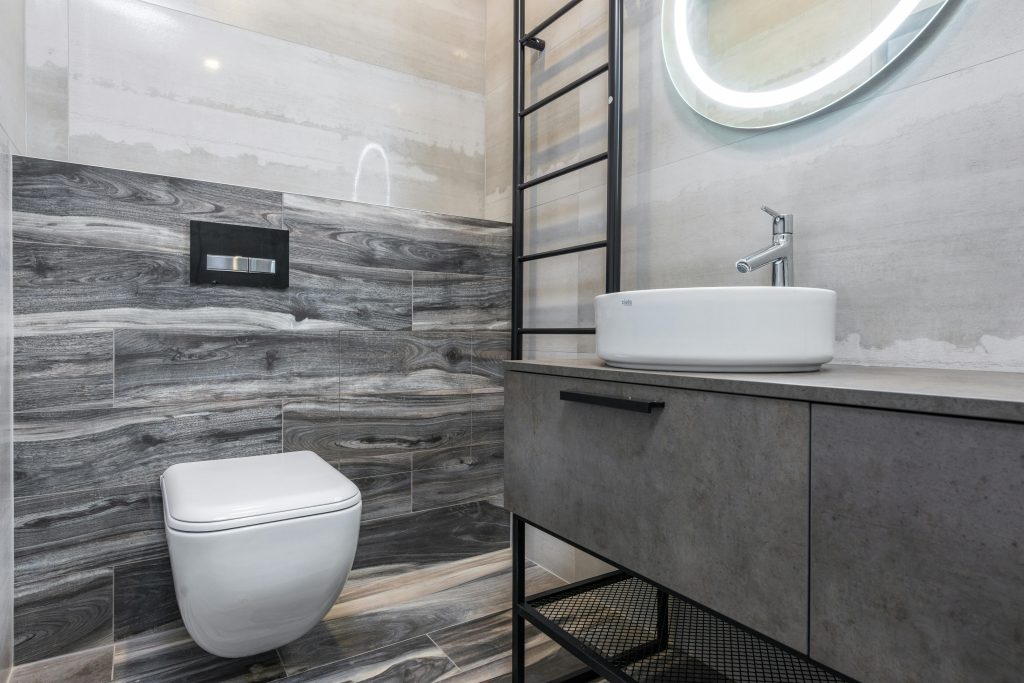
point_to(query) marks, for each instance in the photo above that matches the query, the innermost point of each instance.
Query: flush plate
(238, 255)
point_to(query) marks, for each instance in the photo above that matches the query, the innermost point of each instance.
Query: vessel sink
(717, 329)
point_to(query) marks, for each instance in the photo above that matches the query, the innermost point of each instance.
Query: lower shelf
(628, 630)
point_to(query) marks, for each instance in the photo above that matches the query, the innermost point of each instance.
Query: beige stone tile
(46, 78)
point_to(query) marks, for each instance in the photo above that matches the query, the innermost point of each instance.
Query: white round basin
(717, 329)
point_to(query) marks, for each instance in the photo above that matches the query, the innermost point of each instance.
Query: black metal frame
(613, 156)
(598, 666)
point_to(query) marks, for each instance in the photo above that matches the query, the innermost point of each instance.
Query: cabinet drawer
(917, 537)
(707, 494)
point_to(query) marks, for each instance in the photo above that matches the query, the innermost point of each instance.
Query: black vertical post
(662, 620)
(518, 126)
(613, 259)
(518, 598)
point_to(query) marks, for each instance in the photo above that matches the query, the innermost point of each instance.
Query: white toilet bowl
(260, 547)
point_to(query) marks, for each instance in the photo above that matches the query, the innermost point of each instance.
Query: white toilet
(260, 547)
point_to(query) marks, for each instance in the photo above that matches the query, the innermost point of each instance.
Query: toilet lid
(225, 494)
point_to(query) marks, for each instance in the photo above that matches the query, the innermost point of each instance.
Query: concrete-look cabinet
(917, 555)
(708, 495)
(872, 518)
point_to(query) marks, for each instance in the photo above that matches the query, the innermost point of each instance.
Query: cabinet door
(917, 546)
(707, 495)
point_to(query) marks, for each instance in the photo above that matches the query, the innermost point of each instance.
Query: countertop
(961, 393)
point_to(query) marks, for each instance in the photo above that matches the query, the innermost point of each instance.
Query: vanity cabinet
(707, 495)
(872, 518)
(917, 551)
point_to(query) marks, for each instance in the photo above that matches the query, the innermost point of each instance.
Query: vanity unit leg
(518, 598)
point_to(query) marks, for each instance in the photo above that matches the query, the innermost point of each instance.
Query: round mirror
(758, 64)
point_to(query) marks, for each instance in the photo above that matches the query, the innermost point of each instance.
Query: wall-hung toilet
(260, 547)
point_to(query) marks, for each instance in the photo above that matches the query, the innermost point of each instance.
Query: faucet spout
(762, 257)
(779, 253)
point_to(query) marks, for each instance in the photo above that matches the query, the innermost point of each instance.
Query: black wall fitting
(613, 157)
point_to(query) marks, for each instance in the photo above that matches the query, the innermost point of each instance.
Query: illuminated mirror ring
(750, 64)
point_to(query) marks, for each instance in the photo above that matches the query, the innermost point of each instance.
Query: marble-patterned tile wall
(376, 102)
(383, 356)
(907, 197)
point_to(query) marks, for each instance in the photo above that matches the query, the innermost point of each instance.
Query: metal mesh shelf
(617, 618)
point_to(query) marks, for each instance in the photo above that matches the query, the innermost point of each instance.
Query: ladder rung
(552, 19)
(557, 330)
(563, 171)
(565, 89)
(565, 250)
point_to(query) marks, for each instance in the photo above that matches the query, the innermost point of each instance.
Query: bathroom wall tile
(12, 74)
(403, 364)
(6, 411)
(329, 230)
(435, 39)
(363, 132)
(393, 546)
(61, 370)
(46, 78)
(488, 428)
(72, 612)
(76, 205)
(67, 533)
(461, 302)
(417, 659)
(385, 496)
(490, 351)
(59, 288)
(87, 666)
(144, 598)
(154, 367)
(373, 435)
(316, 425)
(171, 656)
(456, 484)
(61, 451)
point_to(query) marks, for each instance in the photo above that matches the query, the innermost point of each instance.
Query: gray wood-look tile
(87, 666)
(385, 496)
(406, 607)
(171, 657)
(490, 350)
(482, 649)
(64, 533)
(144, 598)
(63, 614)
(384, 237)
(101, 448)
(433, 537)
(59, 288)
(446, 301)
(315, 425)
(417, 660)
(153, 367)
(61, 370)
(76, 205)
(410, 363)
(456, 484)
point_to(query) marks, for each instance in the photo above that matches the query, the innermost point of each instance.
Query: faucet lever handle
(771, 212)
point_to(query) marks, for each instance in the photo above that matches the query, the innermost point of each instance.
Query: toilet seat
(215, 495)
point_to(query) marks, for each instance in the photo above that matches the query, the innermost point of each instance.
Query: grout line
(113, 367)
(447, 656)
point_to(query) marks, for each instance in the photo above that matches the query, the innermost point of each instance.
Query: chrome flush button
(238, 264)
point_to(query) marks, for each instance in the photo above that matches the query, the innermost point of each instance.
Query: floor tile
(413, 661)
(90, 666)
(172, 656)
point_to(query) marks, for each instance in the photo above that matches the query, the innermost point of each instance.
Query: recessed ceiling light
(211, 64)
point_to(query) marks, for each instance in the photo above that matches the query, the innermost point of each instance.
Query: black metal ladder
(613, 156)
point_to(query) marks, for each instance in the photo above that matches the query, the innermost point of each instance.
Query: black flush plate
(243, 241)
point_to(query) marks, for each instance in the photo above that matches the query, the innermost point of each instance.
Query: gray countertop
(963, 393)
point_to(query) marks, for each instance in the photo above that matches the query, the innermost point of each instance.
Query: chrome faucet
(779, 254)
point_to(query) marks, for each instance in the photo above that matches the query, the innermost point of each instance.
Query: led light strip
(790, 93)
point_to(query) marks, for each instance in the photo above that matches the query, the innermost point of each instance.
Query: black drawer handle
(612, 402)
